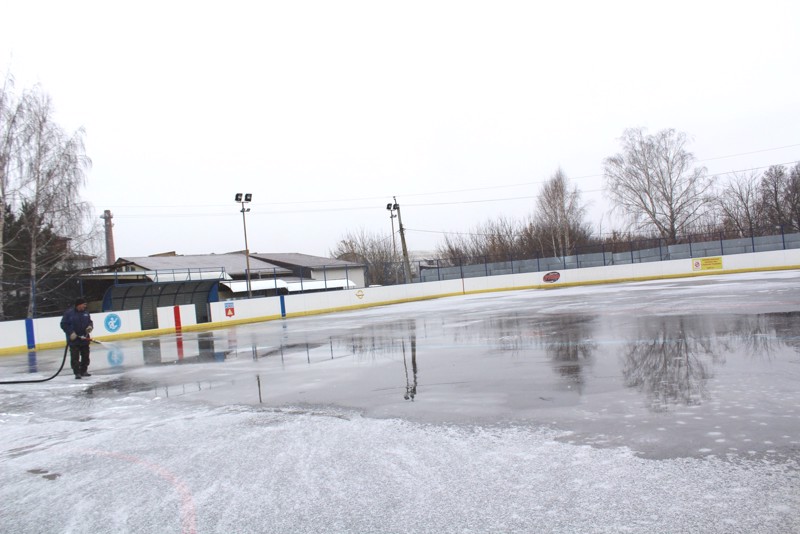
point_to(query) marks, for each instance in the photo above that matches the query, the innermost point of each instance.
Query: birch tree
(654, 184)
(11, 123)
(560, 216)
(53, 173)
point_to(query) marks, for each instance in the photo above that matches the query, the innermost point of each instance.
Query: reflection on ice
(411, 385)
(671, 361)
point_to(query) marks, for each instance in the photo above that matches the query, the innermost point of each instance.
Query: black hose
(63, 361)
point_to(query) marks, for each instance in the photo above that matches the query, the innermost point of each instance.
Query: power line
(748, 153)
(258, 211)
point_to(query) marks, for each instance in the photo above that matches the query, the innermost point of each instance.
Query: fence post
(691, 254)
(461, 266)
(438, 271)
(783, 238)
(721, 246)
(486, 264)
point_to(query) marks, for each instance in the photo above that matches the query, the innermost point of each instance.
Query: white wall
(166, 316)
(13, 337)
(12, 334)
(231, 311)
(47, 331)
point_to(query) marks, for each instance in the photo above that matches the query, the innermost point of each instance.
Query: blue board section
(29, 334)
(283, 307)
(213, 294)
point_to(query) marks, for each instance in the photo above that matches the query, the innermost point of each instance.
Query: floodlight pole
(394, 244)
(242, 199)
(392, 208)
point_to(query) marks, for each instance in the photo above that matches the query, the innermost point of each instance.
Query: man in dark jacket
(78, 325)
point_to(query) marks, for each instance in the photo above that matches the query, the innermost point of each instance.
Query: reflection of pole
(414, 361)
(406, 263)
(411, 390)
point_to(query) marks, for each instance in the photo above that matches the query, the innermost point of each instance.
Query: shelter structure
(169, 279)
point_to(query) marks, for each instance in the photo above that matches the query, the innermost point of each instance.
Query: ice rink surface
(664, 407)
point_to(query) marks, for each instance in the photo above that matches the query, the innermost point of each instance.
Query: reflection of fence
(600, 255)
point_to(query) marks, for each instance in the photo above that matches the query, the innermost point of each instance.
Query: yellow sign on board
(707, 264)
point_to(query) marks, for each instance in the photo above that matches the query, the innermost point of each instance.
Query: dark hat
(80, 301)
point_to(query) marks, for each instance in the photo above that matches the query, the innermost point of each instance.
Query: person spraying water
(77, 325)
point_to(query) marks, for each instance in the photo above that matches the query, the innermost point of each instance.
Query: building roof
(233, 263)
(240, 286)
(302, 260)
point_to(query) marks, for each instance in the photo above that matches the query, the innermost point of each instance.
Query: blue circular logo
(113, 322)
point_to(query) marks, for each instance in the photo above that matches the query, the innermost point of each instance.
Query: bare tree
(738, 203)
(779, 197)
(772, 196)
(492, 239)
(373, 250)
(560, 216)
(653, 184)
(793, 198)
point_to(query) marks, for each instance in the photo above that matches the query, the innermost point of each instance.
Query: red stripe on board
(177, 311)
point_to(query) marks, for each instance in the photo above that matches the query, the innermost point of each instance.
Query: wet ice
(652, 407)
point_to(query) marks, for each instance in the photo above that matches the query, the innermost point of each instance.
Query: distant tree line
(42, 217)
(653, 184)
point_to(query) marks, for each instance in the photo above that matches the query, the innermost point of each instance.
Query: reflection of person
(78, 325)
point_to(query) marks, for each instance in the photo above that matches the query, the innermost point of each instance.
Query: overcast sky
(325, 110)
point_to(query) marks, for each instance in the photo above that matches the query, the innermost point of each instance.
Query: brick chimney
(111, 257)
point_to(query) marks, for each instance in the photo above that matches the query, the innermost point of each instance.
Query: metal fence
(621, 253)
(434, 269)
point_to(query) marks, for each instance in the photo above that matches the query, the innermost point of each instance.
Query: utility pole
(406, 263)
